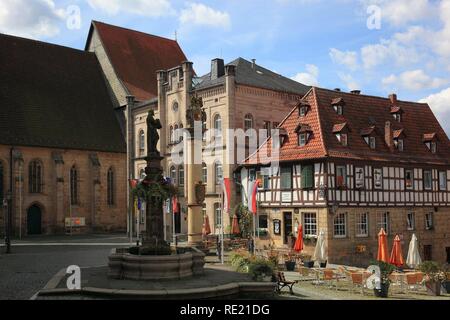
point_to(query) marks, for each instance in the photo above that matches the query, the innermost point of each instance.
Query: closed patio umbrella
(320, 253)
(206, 226)
(299, 242)
(413, 260)
(397, 254)
(382, 247)
(236, 230)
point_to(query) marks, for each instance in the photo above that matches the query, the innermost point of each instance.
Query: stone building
(351, 164)
(238, 95)
(62, 153)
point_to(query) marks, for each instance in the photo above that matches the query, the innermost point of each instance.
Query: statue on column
(153, 125)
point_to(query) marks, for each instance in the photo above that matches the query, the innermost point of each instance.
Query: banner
(252, 196)
(226, 191)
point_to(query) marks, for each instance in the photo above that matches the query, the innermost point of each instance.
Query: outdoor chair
(283, 283)
(305, 273)
(329, 277)
(358, 281)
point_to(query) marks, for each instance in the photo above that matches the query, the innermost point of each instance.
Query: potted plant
(307, 261)
(261, 270)
(290, 261)
(434, 276)
(386, 270)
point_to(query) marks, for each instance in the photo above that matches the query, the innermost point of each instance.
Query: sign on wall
(277, 227)
(75, 222)
(378, 178)
(359, 177)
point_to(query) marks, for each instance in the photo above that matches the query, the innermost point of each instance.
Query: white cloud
(147, 8)
(346, 58)
(440, 104)
(349, 82)
(30, 19)
(388, 51)
(310, 77)
(414, 80)
(202, 15)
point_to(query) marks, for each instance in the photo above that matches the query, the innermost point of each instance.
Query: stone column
(194, 174)
(130, 160)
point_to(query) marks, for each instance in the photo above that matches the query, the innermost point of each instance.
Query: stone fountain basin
(123, 265)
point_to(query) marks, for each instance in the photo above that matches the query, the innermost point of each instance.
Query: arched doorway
(34, 220)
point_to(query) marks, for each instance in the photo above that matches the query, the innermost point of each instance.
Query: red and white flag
(252, 196)
(226, 191)
(175, 208)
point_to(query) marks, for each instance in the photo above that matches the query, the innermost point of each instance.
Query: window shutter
(307, 177)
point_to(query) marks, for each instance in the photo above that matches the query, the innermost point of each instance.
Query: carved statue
(153, 125)
(195, 112)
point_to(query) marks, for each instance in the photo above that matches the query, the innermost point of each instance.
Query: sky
(376, 46)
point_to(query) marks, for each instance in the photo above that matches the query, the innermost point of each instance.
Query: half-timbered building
(351, 164)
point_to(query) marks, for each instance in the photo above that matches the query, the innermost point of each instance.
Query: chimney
(337, 90)
(389, 135)
(253, 64)
(393, 98)
(356, 92)
(217, 68)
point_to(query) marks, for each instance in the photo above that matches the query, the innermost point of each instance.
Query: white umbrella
(413, 260)
(320, 253)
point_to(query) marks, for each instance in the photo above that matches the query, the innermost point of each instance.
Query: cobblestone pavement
(34, 261)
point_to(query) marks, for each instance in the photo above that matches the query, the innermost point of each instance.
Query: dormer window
(341, 133)
(369, 137)
(399, 136)
(397, 113)
(338, 105)
(399, 144)
(303, 109)
(430, 140)
(304, 133)
(397, 117)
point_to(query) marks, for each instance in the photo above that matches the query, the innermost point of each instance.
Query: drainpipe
(9, 198)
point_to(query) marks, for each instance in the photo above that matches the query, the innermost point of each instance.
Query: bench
(283, 283)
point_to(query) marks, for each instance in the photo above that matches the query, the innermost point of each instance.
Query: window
(411, 221)
(2, 175)
(341, 176)
(217, 215)
(110, 187)
(266, 182)
(141, 142)
(398, 117)
(340, 225)
(263, 222)
(181, 176)
(204, 173)
(74, 197)
(268, 128)
(204, 123)
(342, 138)
(286, 178)
(175, 106)
(218, 124)
(383, 221)
(362, 225)
(310, 224)
(35, 177)
(142, 174)
(252, 174)
(302, 139)
(171, 135)
(429, 223)
(372, 142)
(409, 179)
(427, 180)
(359, 177)
(339, 110)
(308, 177)
(173, 175)
(176, 134)
(204, 210)
(399, 144)
(248, 122)
(219, 173)
(303, 111)
(442, 180)
(378, 178)
(433, 147)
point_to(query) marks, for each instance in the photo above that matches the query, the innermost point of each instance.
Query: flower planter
(290, 265)
(323, 265)
(383, 292)
(308, 264)
(433, 288)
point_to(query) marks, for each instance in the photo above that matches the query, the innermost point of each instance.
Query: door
(34, 220)
(448, 254)
(428, 253)
(178, 221)
(287, 226)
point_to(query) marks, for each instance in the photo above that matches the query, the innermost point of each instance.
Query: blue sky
(377, 46)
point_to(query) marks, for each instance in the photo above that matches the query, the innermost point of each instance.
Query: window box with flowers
(434, 277)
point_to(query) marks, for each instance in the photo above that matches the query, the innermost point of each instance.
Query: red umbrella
(236, 230)
(382, 247)
(206, 226)
(299, 242)
(397, 255)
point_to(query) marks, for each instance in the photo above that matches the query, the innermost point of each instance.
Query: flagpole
(222, 240)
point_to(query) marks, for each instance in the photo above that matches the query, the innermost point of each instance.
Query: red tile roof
(360, 113)
(337, 128)
(137, 56)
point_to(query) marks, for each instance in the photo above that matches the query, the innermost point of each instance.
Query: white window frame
(181, 178)
(300, 140)
(204, 173)
(344, 175)
(383, 221)
(372, 143)
(427, 173)
(411, 221)
(375, 186)
(442, 180)
(218, 173)
(412, 179)
(310, 224)
(429, 221)
(340, 222)
(362, 224)
(363, 179)
(433, 147)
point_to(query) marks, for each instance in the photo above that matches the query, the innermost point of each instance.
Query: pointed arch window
(35, 177)
(111, 188)
(218, 124)
(141, 142)
(74, 186)
(219, 173)
(181, 176)
(173, 175)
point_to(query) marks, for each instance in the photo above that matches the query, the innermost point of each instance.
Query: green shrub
(260, 268)
(386, 270)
